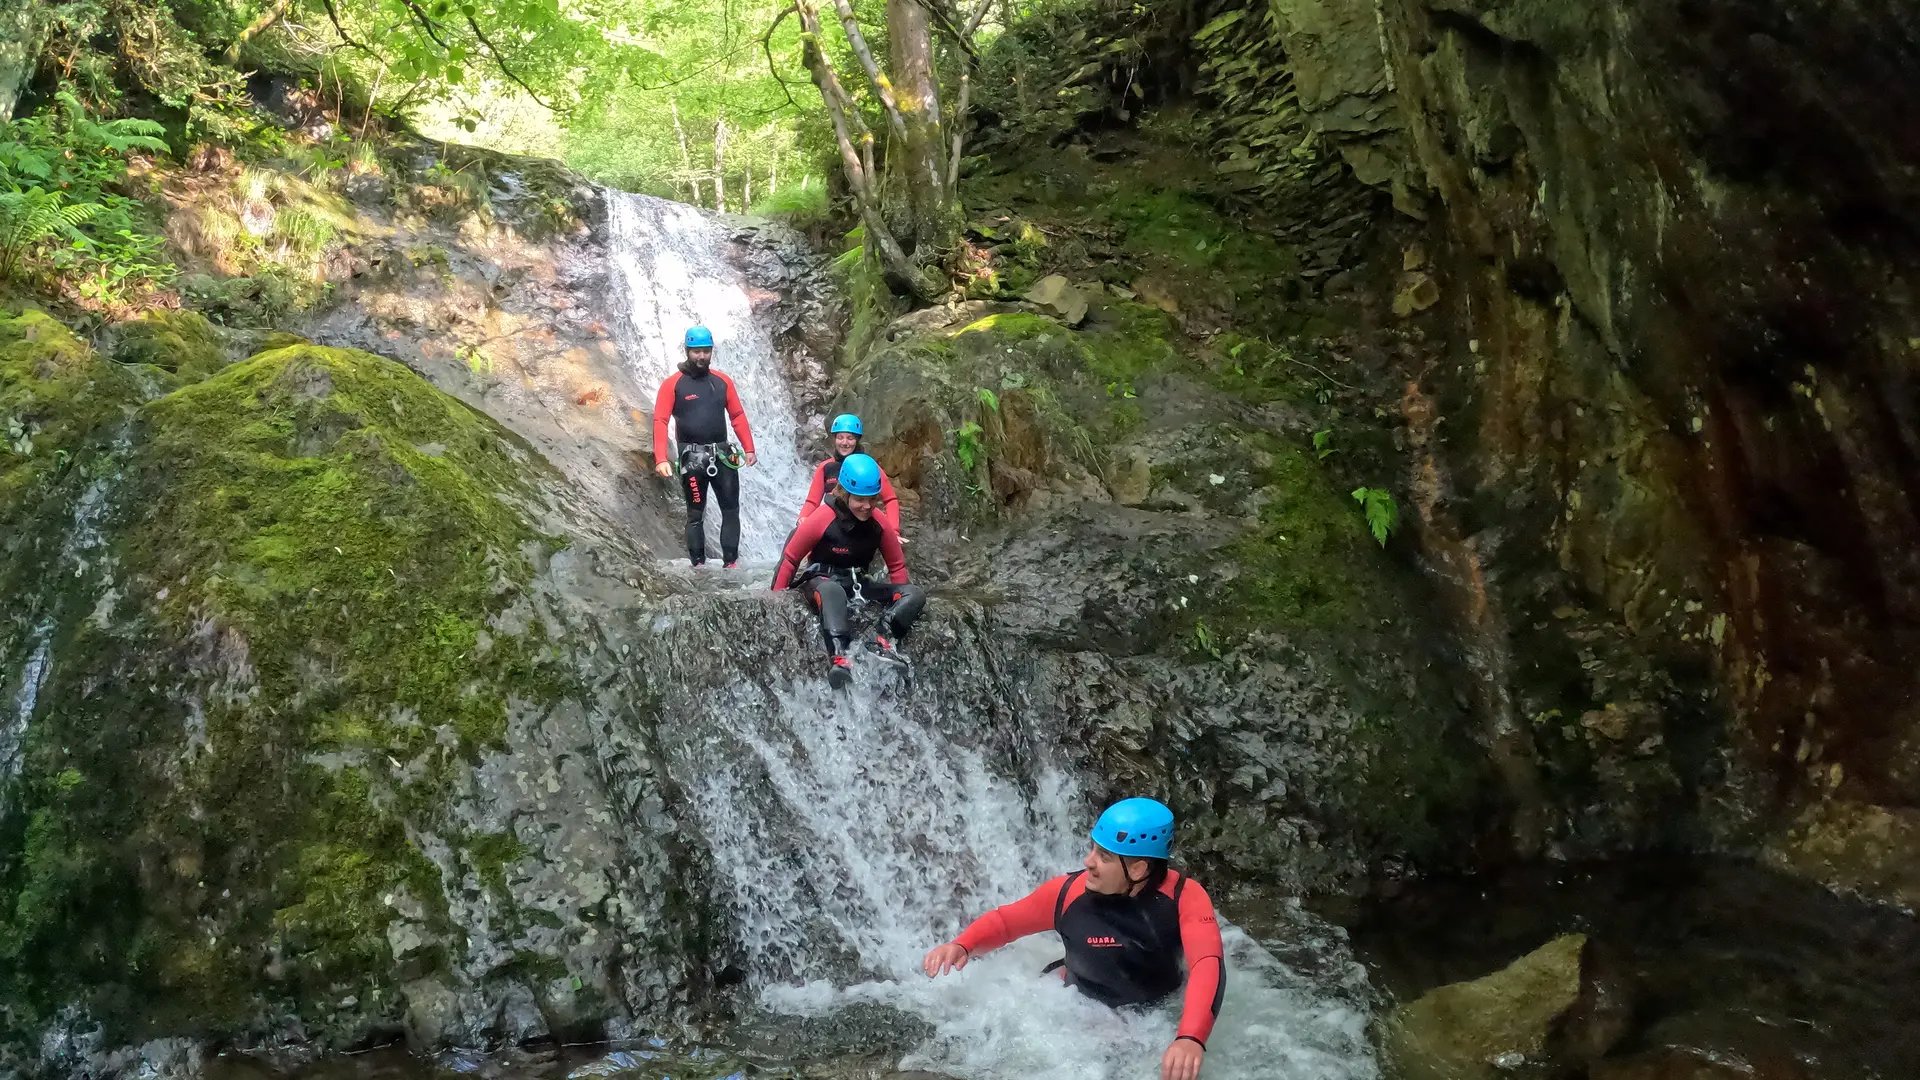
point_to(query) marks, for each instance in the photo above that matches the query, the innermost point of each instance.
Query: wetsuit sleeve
(663, 412)
(891, 550)
(1010, 922)
(816, 492)
(739, 414)
(800, 545)
(1206, 964)
(889, 502)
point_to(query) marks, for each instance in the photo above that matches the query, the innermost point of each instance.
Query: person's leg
(907, 601)
(693, 485)
(830, 600)
(726, 494)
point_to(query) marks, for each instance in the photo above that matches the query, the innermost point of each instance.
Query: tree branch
(426, 22)
(500, 62)
(267, 19)
(858, 164)
(766, 45)
(959, 132)
(881, 86)
(333, 15)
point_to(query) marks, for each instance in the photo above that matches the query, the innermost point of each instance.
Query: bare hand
(664, 468)
(753, 458)
(1182, 1060)
(945, 958)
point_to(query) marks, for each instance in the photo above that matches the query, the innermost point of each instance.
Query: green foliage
(30, 218)
(1205, 639)
(1383, 514)
(969, 446)
(108, 48)
(988, 398)
(1323, 447)
(57, 171)
(803, 205)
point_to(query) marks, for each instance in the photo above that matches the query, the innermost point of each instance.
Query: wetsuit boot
(839, 667)
(882, 645)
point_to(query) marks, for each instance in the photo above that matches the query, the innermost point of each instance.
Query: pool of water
(1719, 969)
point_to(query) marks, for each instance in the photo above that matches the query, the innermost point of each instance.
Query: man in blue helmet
(700, 401)
(827, 557)
(846, 433)
(1127, 922)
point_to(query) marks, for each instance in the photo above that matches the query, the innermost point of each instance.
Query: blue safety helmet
(860, 475)
(1134, 828)
(699, 337)
(846, 422)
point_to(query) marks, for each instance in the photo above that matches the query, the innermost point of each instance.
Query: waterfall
(672, 273)
(849, 832)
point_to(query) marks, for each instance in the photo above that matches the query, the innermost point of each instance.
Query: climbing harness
(708, 457)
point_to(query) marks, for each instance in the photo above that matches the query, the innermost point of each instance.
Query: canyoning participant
(1126, 921)
(700, 401)
(846, 440)
(827, 557)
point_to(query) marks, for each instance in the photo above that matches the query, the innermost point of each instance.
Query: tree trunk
(719, 163)
(922, 169)
(686, 156)
(857, 159)
(258, 26)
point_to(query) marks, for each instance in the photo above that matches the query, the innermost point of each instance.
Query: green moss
(1311, 563)
(182, 342)
(1132, 341)
(1013, 326)
(491, 854)
(333, 494)
(55, 394)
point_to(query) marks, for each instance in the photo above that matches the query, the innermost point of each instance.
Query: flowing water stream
(672, 273)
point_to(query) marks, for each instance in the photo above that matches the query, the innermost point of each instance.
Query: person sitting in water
(1126, 920)
(700, 401)
(827, 557)
(846, 440)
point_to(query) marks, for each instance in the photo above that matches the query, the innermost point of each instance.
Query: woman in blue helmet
(1127, 921)
(846, 440)
(827, 557)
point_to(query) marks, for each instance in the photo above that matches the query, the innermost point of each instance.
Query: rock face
(308, 736)
(1674, 494)
(1201, 610)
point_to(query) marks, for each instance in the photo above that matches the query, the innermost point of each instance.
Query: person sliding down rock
(846, 440)
(700, 400)
(1126, 921)
(827, 557)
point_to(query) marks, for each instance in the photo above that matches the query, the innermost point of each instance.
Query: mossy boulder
(251, 668)
(1482, 1029)
(178, 341)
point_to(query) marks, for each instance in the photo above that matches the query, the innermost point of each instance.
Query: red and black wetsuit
(827, 558)
(700, 401)
(1123, 950)
(828, 472)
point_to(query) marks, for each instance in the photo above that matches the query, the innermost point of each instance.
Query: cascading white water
(671, 274)
(849, 835)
